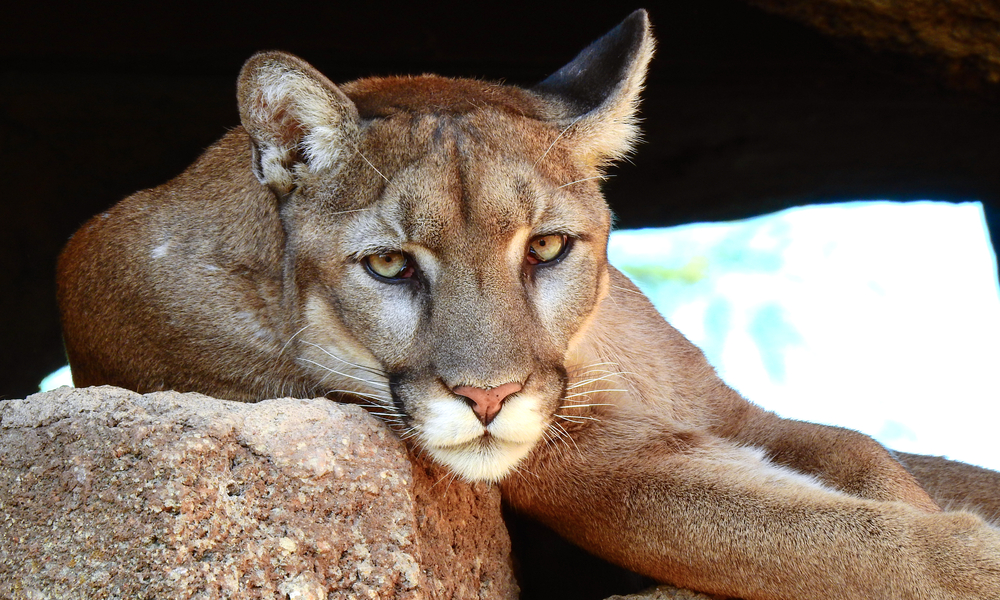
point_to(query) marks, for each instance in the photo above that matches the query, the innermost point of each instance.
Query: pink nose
(487, 403)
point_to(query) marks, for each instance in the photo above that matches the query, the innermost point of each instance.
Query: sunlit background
(882, 317)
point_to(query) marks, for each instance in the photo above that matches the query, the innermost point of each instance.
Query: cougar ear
(295, 116)
(597, 94)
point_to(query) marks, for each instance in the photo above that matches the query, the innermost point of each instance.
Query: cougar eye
(546, 248)
(391, 265)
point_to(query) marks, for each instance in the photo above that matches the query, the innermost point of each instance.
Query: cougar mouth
(486, 458)
(449, 430)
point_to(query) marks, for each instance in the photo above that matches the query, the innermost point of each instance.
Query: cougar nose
(486, 403)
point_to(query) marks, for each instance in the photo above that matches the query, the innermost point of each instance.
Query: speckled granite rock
(110, 494)
(665, 592)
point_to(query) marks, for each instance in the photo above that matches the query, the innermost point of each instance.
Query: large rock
(961, 35)
(664, 592)
(110, 494)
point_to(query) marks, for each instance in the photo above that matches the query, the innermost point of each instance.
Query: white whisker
(557, 427)
(361, 394)
(553, 434)
(588, 393)
(377, 372)
(576, 418)
(606, 363)
(584, 382)
(294, 335)
(521, 472)
(549, 437)
(450, 476)
(552, 145)
(601, 177)
(336, 372)
(624, 289)
(353, 210)
(591, 380)
(365, 158)
(589, 371)
(391, 416)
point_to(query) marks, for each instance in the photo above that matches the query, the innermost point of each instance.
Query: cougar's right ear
(596, 95)
(295, 116)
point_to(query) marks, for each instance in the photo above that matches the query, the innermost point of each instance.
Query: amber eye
(546, 248)
(391, 265)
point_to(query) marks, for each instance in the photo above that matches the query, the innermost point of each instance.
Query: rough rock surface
(665, 592)
(110, 494)
(963, 35)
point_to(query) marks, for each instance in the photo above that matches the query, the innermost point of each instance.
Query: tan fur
(245, 278)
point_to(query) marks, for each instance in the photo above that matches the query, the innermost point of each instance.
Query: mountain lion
(436, 249)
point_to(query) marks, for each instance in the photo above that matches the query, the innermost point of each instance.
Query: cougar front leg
(698, 511)
(956, 485)
(841, 458)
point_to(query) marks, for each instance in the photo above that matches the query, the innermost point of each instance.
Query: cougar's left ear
(596, 96)
(295, 116)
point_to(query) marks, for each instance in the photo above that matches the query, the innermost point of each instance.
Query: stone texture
(962, 35)
(665, 592)
(110, 494)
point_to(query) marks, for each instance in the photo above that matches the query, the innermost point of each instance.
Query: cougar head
(446, 238)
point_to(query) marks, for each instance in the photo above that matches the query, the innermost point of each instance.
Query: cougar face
(451, 278)
(446, 237)
(431, 247)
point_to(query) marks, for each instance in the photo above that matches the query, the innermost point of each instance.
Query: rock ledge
(112, 494)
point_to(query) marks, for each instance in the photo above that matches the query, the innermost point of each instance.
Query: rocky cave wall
(959, 39)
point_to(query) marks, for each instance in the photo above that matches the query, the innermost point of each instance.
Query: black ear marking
(600, 69)
(594, 100)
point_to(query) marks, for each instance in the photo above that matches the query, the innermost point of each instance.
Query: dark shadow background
(745, 113)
